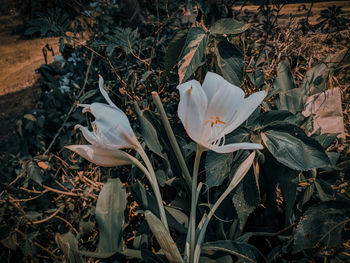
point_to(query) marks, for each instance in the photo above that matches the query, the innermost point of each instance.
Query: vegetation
(286, 202)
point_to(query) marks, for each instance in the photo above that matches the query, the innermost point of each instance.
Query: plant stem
(192, 227)
(155, 186)
(172, 138)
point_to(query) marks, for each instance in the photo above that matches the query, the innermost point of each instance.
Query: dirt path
(19, 58)
(19, 85)
(300, 10)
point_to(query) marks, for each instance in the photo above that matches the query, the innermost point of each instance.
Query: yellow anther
(214, 120)
(95, 128)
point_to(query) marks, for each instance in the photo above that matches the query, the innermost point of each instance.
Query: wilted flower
(111, 132)
(216, 108)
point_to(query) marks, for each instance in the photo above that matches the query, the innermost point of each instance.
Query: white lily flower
(111, 132)
(214, 109)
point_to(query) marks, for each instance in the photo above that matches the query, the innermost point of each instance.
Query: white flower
(111, 132)
(216, 108)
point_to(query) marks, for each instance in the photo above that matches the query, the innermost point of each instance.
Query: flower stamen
(214, 120)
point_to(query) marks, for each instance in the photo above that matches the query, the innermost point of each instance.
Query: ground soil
(19, 84)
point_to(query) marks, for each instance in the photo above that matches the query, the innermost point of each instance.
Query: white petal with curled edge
(113, 127)
(246, 108)
(100, 156)
(228, 148)
(88, 135)
(213, 83)
(192, 106)
(104, 93)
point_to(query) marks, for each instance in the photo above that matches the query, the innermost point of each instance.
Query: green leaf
(69, 244)
(289, 98)
(315, 78)
(325, 139)
(257, 78)
(246, 196)
(324, 190)
(322, 224)
(273, 117)
(228, 26)
(163, 237)
(149, 257)
(176, 219)
(229, 62)
(125, 38)
(293, 148)
(217, 167)
(149, 133)
(110, 207)
(34, 173)
(174, 50)
(193, 54)
(242, 250)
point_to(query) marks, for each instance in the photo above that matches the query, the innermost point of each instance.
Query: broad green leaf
(284, 79)
(273, 117)
(322, 224)
(163, 237)
(228, 26)
(293, 148)
(174, 50)
(289, 98)
(245, 252)
(180, 217)
(34, 173)
(110, 207)
(229, 62)
(217, 167)
(69, 244)
(193, 54)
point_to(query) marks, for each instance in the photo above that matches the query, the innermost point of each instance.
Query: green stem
(192, 227)
(172, 138)
(155, 186)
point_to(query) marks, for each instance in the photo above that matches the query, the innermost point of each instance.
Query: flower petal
(104, 93)
(225, 101)
(224, 104)
(246, 108)
(112, 127)
(235, 147)
(192, 106)
(213, 83)
(100, 156)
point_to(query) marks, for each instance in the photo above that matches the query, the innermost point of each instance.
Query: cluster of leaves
(291, 205)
